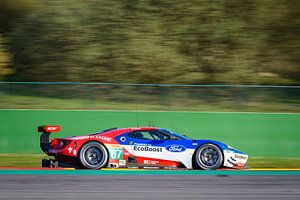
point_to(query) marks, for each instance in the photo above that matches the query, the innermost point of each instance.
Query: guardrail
(126, 96)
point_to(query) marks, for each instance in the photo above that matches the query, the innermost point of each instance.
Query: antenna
(137, 118)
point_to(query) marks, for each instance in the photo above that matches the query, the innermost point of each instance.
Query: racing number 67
(116, 153)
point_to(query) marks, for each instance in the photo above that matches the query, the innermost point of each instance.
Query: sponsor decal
(52, 128)
(72, 151)
(122, 162)
(80, 137)
(147, 148)
(175, 148)
(101, 137)
(240, 157)
(141, 144)
(240, 164)
(126, 153)
(151, 162)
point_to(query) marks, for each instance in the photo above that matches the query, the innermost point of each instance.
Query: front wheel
(208, 157)
(93, 155)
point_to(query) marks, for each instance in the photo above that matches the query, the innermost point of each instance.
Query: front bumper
(234, 158)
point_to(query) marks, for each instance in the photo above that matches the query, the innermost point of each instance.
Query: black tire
(93, 155)
(208, 157)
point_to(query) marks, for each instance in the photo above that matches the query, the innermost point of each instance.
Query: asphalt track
(148, 184)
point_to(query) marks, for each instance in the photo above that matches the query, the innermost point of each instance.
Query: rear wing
(48, 129)
(44, 139)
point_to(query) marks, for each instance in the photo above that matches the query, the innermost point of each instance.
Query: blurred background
(230, 68)
(151, 41)
(135, 42)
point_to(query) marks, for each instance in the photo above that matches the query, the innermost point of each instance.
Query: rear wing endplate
(44, 139)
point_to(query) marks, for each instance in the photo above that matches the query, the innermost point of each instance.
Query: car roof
(117, 131)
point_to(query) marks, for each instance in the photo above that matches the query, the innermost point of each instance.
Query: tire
(93, 155)
(208, 157)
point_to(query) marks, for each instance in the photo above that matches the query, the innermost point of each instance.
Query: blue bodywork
(176, 147)
(184, 141)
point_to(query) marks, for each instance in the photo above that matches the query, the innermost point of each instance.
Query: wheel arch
(79, 149)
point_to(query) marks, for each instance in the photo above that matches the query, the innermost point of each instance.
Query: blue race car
(140, 147)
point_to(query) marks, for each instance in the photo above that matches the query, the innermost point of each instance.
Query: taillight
(62, 143)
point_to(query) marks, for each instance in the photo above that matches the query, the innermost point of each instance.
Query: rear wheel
(208, 157)
(93, 155)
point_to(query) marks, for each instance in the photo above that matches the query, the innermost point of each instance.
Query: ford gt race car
(141, 147)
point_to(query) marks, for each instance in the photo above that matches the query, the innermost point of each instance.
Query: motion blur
(151, 41)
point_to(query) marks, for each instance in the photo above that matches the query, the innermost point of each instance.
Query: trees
(149, 41)
(10, 11)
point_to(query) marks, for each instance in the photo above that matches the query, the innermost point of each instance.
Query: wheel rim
(94, 156)
(209, 156)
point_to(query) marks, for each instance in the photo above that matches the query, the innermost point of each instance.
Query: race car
(139, 147)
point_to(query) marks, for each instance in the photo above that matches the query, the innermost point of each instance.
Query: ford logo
(175, 148)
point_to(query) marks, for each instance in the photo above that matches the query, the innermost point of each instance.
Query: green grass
(21, 160)
(34, 160)
(274, 162)
(173, 104)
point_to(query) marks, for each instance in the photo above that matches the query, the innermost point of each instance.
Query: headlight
(230, 147)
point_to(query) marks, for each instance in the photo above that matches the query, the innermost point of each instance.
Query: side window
(159, 136)
(141, 135)
(149, 135)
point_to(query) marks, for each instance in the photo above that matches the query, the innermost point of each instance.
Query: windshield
(176, 135)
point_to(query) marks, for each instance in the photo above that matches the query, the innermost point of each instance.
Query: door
(154, 148)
